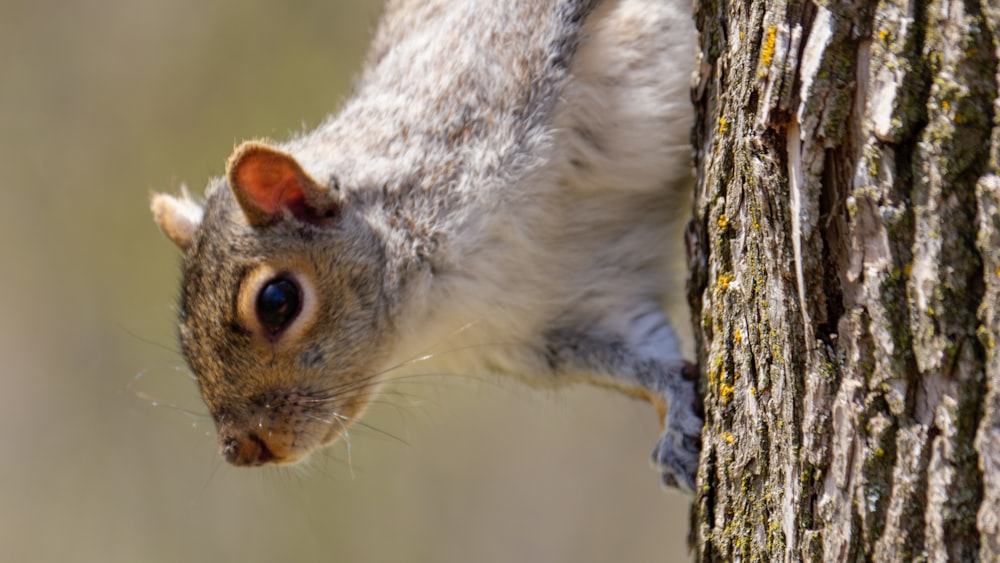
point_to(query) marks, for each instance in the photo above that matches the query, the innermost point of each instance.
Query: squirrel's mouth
(252, 449)
(284, 433)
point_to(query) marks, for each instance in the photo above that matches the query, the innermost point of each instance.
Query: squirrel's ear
(178, 218)
(266, 181)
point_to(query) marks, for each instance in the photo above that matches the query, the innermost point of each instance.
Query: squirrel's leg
(637, 352)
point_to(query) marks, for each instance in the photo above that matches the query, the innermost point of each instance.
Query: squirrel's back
(549, 190)
(454, 95)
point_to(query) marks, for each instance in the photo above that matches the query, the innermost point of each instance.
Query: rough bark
(845, 280)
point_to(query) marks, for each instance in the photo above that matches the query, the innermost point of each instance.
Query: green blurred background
(110, 456)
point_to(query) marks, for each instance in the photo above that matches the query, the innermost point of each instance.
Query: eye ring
(278, 304)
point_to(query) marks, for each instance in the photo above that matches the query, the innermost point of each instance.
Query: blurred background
(110, 456)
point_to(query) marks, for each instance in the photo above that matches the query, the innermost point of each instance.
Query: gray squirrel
(498, 187)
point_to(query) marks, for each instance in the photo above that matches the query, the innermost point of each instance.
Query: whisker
(320, 463)
(366, 382)
(152, 401)
(430, 355)
(211, 474)
(445, 374)
(144, 340)
(322, 399)
(347, 441)
(426, 352)
(423, 355)
(147, 370)
(402, 411)
(318, 419)
(190, 374)
(408, 379)
(363, 424)
(139, 374)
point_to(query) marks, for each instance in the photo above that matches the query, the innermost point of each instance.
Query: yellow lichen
(883, 34)
(724, 281)
(767, 53)
(728, 436)
(726, 392)
(718, 370)
(723, 221)
(723, 125)
(738, 336)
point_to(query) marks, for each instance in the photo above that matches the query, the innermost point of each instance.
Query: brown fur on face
(297, 391)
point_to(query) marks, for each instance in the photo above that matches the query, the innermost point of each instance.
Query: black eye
(277, 304)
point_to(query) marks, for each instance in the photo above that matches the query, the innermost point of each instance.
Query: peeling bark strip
(845, 280)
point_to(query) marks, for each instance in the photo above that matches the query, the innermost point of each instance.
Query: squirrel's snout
(251, 449)
(280, 427)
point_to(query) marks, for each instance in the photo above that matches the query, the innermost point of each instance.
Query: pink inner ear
(270, 182)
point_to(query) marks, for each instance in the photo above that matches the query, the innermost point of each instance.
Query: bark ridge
(845, 280)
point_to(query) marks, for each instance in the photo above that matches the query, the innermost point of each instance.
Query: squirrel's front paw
(676, 454)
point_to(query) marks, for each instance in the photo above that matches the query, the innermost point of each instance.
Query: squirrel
(499, 185)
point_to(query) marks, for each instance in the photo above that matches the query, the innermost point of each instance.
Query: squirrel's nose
(251, 449)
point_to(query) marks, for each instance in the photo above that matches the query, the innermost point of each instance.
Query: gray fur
(504, 174)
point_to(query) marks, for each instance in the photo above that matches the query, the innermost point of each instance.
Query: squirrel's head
(282, 312)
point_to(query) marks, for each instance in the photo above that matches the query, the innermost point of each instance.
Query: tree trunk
(845, 280)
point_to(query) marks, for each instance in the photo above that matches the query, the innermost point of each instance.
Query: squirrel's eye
(277, 304)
